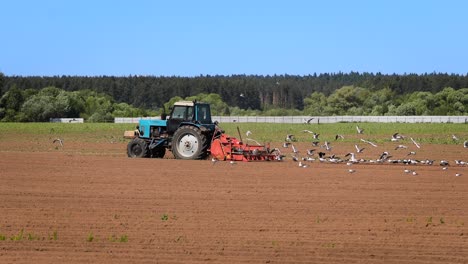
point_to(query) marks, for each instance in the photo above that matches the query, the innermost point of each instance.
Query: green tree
(315, 104)
(10, 104)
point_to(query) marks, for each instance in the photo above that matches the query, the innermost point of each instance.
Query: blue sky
(191, 38)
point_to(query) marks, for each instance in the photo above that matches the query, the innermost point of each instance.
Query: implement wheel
(137, 148)
(189, 143)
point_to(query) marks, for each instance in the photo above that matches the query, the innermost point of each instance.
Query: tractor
(190, 134)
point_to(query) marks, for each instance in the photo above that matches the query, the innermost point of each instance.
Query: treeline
(32, 105)
(243, 91)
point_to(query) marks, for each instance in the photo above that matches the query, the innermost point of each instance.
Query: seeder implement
(225, 147)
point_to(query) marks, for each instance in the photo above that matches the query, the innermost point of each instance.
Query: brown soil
(172, 211)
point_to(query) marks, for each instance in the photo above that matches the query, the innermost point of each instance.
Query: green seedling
(18, 237)
(165, 217)
(123, 239)
(90, 237)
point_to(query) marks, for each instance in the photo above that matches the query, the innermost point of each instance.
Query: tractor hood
(145, 125)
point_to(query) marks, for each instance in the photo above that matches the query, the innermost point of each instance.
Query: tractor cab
(188, 112)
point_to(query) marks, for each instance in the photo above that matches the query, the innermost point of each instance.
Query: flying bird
(401, 147)
(315, 135)
(339, 136)
(289, 137)
(60, 141)
(294, 150)
(396, 137)
(352, 158)
(359, 130)
(327, 146)
(384, 156)
(415, 143)
(315, 143)
(249, 139)
(307, 121)
(368, 142)
(359, 150)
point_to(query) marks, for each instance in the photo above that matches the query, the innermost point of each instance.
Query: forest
(100, 98)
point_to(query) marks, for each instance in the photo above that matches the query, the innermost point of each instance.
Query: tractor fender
(202, 128)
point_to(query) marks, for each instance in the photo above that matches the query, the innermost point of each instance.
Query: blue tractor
(187, 132)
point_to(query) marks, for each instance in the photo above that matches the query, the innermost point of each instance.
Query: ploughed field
(88, 202)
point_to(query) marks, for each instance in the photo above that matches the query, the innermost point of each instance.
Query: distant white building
(66, 120)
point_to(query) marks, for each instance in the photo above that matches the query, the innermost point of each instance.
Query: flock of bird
(322, 152)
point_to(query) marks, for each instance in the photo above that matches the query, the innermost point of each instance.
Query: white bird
(232, 162)
(307, 131)
(359, 130)
(286, 144)
(368, 142)
(415, 143)
(351, 171)
(455, 138)
(60, 141)
(465, 144)
(248, 133)
(359, 150)
(407, 171)
(294, 150)
(458, 174)
(401, 147)
(289, 137)
(353, 157)
(327, 146)
(384, 156)
(444, 163)
(310, 152)
(214, 160)
(242, 95)
(315, 135)
(339, 136)
(414, 173)
(307, 121)
(411, 153)
(396, 137)
(444, 168)
(249, 139)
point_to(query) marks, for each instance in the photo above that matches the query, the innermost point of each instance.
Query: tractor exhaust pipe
(240, 136)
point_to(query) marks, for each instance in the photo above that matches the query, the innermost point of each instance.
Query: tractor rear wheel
(189, 143)
(137, 148)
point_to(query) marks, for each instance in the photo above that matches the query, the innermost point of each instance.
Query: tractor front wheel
(137, 148)
(189, 143)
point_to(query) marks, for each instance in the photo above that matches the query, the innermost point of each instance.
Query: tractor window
(182, 112)
(179, 112)
(203, 114)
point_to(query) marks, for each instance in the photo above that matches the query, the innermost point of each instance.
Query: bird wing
(415, 143)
